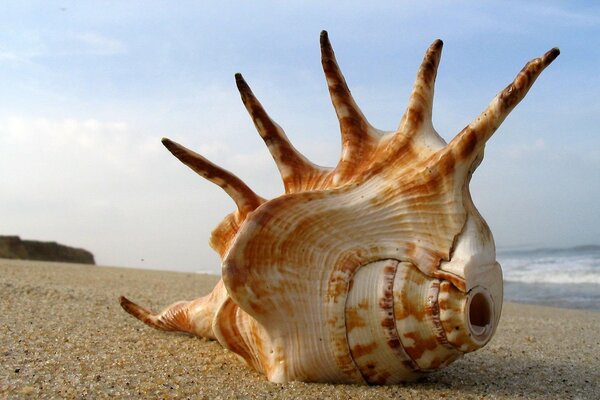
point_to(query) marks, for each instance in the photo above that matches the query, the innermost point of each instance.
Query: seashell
(375, 271)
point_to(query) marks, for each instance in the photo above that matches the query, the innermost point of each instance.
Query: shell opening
(480, 312)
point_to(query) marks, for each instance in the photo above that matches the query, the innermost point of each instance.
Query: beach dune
(64, 335)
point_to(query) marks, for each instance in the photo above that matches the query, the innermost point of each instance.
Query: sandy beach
(64, 335)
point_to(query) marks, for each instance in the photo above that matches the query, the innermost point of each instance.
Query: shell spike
(357, 133)
(195, 317)
(245, 199)
(469, 143)
(420, 103)
(173, 318)
(291, 163)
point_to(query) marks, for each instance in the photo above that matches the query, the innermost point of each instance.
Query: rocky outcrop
(15, 248)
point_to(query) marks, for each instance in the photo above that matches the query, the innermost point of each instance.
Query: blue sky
(89, 88)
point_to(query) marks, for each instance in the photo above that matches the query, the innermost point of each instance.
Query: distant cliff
(14, 247)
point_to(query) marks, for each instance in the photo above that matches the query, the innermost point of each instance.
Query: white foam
(563, 267)
(564, 277)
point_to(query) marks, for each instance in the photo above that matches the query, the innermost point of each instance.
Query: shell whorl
(373, 271)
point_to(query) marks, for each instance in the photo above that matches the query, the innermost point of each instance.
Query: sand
(64, 335)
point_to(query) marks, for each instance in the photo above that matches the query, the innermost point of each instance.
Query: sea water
(556, 277)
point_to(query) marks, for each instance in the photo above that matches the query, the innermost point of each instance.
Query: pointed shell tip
(324, 39)
(125, 303)
(242, 86)
(551, 55)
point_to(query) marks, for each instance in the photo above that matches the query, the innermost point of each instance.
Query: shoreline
(65, 335)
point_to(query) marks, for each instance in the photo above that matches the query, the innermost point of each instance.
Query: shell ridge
(290, 200)
(255, 228)
(371, 329)
(233, 335)
(415, 312)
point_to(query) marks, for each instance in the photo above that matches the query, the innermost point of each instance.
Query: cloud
(36, 46)
(9, 56)
(97, 44)
(102, 185)
(15, 59)
(85, 155)
(72, 179)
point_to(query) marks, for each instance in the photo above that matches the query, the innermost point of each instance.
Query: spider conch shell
(374, 271)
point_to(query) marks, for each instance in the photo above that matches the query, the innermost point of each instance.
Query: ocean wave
(564, 277)
(577, 267)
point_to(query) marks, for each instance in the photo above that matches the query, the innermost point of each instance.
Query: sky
(88, 89)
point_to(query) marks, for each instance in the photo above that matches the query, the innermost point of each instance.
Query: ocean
(568, 278)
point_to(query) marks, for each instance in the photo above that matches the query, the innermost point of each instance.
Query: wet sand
(64, 335)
